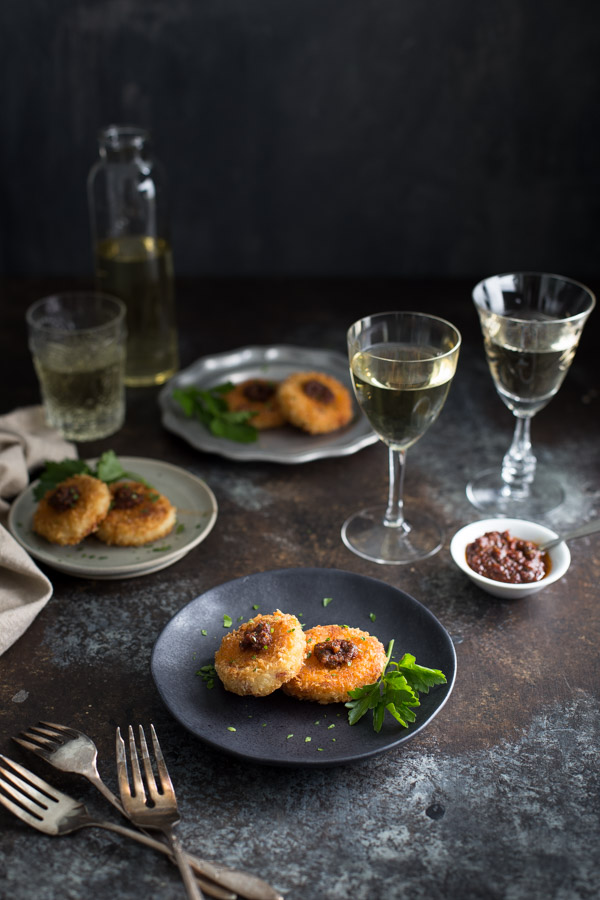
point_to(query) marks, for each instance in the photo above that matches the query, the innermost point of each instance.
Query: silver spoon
(588, 528)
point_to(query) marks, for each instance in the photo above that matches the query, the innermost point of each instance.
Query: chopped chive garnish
(327, 601)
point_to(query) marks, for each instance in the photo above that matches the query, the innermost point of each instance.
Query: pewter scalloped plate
(196, 515)
(285, 444)
(280, 730)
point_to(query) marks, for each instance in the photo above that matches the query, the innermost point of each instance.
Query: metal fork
(44, 807)
(70, 750)
(148, 807)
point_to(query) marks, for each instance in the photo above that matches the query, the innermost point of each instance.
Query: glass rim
(134, 135)
(532, 272)
(120, 311)
(422, 315)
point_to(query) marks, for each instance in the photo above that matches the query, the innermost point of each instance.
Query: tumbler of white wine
(77, 341)
(531, 324)
(132, 250)
(402, 365)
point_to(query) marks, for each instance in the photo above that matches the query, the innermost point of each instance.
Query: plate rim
(303, 762)
(364, 437)
(124, 570)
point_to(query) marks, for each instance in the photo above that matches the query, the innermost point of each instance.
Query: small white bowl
(517, 528)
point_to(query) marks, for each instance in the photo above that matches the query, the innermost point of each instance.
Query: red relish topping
(63, 498)
(318, 391)
(257, 638)
(259, 391)
(499, 556)
(336, 653)
(126, 497)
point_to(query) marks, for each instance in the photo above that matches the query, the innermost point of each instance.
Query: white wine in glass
(402, 365)
(531, 324)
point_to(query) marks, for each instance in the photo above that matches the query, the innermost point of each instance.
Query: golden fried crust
(259, 396)
(315, 402)
(151, 518)
(71, 525)
(316, 682)
(261, 671)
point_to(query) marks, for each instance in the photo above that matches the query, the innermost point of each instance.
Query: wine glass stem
(394, 514)
(518, 465)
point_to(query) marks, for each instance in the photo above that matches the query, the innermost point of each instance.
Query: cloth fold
(26, 441)
(24, 590)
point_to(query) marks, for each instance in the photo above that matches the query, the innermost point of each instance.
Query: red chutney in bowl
(499, 556)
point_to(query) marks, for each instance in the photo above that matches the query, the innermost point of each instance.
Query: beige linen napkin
(24, 590)
(25, 442)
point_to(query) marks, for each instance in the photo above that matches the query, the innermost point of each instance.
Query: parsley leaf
(396, 691)
(419, 677)
(208, 674)
(108, 469)
(211, 410)
(55, 472)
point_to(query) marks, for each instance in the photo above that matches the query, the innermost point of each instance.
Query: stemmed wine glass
(531, 324)
(402, 364)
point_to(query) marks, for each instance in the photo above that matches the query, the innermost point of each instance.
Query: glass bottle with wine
(132, 250)
(402, 365)
(531, 324)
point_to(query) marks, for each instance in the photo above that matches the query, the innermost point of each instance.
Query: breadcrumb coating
(315, 402)
(260, 670)
(259, 396)
(315, 681)
(74, 509)
(139, 514)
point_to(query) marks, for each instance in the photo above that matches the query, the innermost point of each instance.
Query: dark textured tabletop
(496, 798)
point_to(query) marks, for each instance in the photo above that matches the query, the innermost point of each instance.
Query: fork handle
(212, 889)
(105, 791)
(191, 885)
(234, 881)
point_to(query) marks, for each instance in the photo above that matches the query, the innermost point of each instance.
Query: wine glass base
(365, 534)
(489, 493)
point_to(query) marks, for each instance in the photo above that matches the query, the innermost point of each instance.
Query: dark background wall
(312, 137)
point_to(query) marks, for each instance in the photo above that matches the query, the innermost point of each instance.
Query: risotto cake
(258, 396)
(315, 402)
(261, 655)
(138, 514)
(338, 659)
(72, 510)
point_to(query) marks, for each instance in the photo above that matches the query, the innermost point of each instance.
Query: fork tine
(61, 729)
(138, 785)
(150, 780)
(17, 810)
(35, 748)
(44, 738)
(26, 791)
(163, 772)
(122, 773)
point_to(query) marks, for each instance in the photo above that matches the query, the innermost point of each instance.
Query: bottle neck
(123, 143)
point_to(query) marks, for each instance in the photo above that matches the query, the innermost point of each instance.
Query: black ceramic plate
(278, 729)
